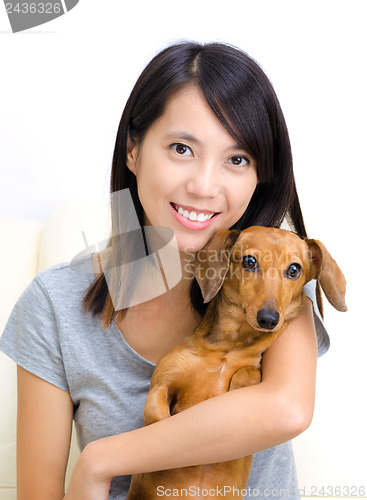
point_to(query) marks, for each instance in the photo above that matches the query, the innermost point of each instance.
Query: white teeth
(193, 215)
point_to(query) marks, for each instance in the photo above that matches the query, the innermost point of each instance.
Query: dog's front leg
(248, 375)
(157, 405)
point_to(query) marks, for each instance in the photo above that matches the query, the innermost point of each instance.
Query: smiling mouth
(195, 215)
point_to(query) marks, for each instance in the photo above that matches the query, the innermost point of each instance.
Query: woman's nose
(203, 181)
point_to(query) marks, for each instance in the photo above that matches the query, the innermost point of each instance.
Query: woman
(202, 137)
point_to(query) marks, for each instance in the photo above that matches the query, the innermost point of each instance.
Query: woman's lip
(193, 209)
(192, 224)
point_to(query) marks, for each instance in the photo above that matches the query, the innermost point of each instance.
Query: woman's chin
(189, 246)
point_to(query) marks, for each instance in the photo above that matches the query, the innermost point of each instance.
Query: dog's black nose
(267, 318)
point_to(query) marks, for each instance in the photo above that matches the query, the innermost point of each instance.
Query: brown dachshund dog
(254, 280)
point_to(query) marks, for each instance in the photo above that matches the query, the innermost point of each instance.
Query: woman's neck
(154, 327)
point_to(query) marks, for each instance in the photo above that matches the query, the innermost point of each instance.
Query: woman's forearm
(229, 426)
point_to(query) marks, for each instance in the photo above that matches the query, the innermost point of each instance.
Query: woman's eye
(239, 161)
(181, 149)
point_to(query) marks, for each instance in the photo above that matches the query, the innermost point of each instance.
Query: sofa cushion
(18, 256)
(71, 228)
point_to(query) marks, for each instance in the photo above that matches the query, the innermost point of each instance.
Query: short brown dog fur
(254, 280)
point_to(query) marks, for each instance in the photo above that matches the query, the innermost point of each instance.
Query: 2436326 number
(338, 491)
(34, 8)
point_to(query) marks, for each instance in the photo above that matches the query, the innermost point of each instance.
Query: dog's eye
(249, 262)
(294, 271)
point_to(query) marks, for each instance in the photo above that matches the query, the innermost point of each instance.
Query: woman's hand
(86, 481)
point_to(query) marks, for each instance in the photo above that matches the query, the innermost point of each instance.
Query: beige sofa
(29, 246)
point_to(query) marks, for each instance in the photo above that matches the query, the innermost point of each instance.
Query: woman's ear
(131, 155)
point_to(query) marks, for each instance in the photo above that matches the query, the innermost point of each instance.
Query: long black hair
(243, 99)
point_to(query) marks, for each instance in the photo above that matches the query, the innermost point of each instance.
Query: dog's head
(263, 271)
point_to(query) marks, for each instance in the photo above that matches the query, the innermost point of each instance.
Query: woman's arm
(44, 424)
(232, 425)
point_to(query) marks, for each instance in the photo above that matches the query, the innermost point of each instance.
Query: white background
(63, 86)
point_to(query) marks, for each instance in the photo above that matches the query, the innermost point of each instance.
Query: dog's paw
(249, 375)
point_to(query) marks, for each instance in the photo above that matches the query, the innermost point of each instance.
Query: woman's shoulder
(65, 280)
(53, 294)
(37, 333)
(323, 340)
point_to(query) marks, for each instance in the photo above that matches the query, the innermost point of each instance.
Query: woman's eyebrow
(184, 136)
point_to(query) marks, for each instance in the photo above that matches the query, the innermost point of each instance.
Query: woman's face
(191, 175)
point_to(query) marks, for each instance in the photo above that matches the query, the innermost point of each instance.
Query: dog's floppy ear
(327, 272)
(211, 263)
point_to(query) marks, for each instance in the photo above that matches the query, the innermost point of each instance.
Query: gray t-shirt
(48, 335)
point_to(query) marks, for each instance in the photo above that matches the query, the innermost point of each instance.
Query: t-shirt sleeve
(323, 340)
(31, 336)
